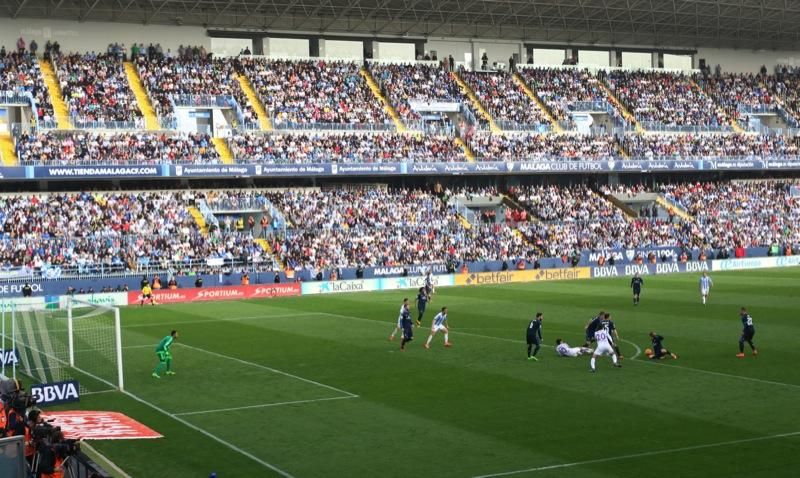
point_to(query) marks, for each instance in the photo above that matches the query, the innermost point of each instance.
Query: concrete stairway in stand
(387, 107)
(225, 153)
(468, 153)
(535, 98)
(261, 112)
(678, 210)
(476, 102)
(60, 109)
(734, 124)
(198, 219)
(620, 107)
(142, 99)
(7, 153)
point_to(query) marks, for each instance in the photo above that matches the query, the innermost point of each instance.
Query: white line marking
(720, 374)
(640, 455)
(698, 370)
(98, 391)
(638, 350)
(105, 460)
(210, 435)
(264, 367)
(180, 420)
(265, 405)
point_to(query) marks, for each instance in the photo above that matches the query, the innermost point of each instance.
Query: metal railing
(756, 109)
(16, 98)
(509, 125)
(667, 128)
(588, 106)
(202, 100)
(294, 126)
(80, 123)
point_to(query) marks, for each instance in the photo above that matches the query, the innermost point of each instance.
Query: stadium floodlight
(66, 340)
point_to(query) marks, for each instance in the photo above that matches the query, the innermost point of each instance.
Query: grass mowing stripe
(265, 405)
(698, 370)
(210, 435)
(264, 367)
(208, 321)
(721, 374)
(640, 455)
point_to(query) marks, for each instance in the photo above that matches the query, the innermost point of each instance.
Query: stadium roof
(750, 24)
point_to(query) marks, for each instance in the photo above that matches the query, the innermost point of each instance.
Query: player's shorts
(163, 356)
(637, 290)
(604, 349)
(533, 340)
(147, 296)
(437, 328)
(429, 289)
(420, 309)
(408, 333)
(704, 291)
(590, 337)
(748, 334)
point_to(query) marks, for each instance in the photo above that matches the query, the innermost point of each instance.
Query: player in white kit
(564, 350)
(605, 346)
(439, 324)
(705, 286)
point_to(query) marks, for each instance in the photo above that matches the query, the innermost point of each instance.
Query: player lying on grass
(658, 351)
(164, 355)
(564, 350)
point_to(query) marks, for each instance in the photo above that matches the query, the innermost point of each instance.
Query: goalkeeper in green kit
(164, 356)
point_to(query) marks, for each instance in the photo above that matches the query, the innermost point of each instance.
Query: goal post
(66, 340)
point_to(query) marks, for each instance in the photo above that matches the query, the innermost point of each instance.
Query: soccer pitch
(311, 386)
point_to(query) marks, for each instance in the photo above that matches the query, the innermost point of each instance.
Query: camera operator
(52, 451)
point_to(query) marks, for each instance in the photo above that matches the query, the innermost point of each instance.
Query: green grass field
(311, 387)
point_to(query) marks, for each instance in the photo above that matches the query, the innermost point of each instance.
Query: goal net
(70, 340)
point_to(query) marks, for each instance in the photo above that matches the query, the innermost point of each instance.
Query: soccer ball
(648, 352)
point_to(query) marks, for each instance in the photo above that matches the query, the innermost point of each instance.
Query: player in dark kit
(408, 327)
(534, 336)
(608, 324)
(658, 351)
(636, 285)
(748, 332)
(422, 302)
(591, 328)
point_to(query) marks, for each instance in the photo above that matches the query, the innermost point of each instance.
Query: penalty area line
(210, 435)
(640, 455)
(269, 369)
(264, 405)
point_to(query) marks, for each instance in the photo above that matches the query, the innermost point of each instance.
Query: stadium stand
(96, 91)
(344, 147)
(418, 82)
(505, 100)
(83, 147)
(21, 73)
(314, 92)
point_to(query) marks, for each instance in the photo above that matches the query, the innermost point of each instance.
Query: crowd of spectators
(522, 147)
(741, 213)
(312, 92)
(709, 145)
(191, 79)
(426, 83)
(20, 73)
(96, 89)
(382, 228)
(82, 147)
(671, 99)
(561, 89)
(786, 85)
(732, 90)
(504, 99)
(120, 231)
(344, 147)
